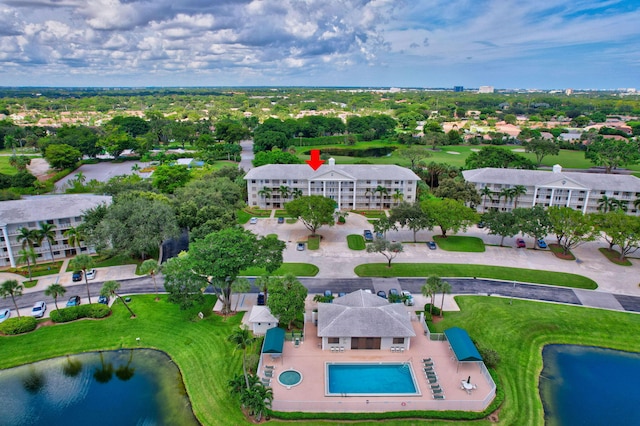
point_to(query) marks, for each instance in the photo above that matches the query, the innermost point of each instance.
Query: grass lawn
(355, 242)
(460, 243)
(313, 242)
(481, 271)
(102, 262)
(30, 284)
(558, 251)
(256, 212)
(243, 217)
(39, 270)
(614, 257)
(371, 214)
(519, 331)
(297, 269)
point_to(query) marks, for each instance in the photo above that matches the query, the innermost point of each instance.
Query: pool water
(290, 378)
(380, 379)
(581, 385)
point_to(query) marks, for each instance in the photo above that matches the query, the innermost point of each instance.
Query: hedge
(94, 310)
(18, 325)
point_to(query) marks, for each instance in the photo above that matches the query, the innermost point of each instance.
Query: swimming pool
(370, 379)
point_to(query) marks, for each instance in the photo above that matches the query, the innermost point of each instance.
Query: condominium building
(63, 211)
(578, 190)
(351, 186)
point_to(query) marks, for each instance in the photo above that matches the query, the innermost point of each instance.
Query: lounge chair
(438, 396)
(432, 380)
(266, 382)
(428, 363)
(427, 368)
(401, 349)
(269, 367)
(341, 348)
(268, 374)
(426, 360)
(435, 386)
(437, 391)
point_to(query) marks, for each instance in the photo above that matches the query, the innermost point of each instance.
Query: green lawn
(460, 243)
(243, 217)
(313, 242)
(38, 270)
(614, 257)
(356, 242)
(480, 271)
(297, 269)
(518, 331)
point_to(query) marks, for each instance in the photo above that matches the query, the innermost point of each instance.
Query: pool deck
(309, 359)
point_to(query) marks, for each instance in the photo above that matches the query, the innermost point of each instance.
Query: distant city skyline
(555, 44)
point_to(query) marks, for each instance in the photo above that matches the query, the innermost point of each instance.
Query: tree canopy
(449, 215)
(312, 210)
(286, 299)
(611, 153)
(493, 156)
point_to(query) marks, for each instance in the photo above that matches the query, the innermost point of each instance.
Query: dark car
(77, 276)
(261, 299)
(281, 220)
(541, 243)
(393, 291)
(368, 235)
(73, 301)
(300, 246)
(480, 224)
(382, 294)
(103, 299)
(520, 243)
(432, 245)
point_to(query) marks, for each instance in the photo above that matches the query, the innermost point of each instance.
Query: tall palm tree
(27, 255)
(11, 288)
(370, 192)
(285, 191)
(83, 262)
(619, 205)
(486, 192)
(265, 192)
(398, 196)
(517, 191)
(80, 177)
(47, 232)
(75, 237)
(27, 236)
(430, 288)
(257, 399)
(383, 192)
(242, 338)
(296, 193)
(507, 194)
(605, 204)
(110, 288)
(150, 267)
(55, 290)
(445, 288)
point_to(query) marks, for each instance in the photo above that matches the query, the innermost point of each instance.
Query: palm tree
(55, 290)
(296, 193)
(27, 236)
(370, 192)
(445, 288)
(605, 204)
(257, 399)
(80, 177)
(242, 338)
(619, 205)
(429, 289)
(75, 236)
(136, 168)
(636, 203)
(47, 232)
(265, 192)
(151, 267)
(83, 262)
(110, 288)
(383, 192)
(27, 255)
(11, 288)
(398, 196)
(285, 191)
(507, 193)
(486, 192)
(517, 191)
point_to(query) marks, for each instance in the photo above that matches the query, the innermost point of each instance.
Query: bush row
(94, 310)
(18, 325)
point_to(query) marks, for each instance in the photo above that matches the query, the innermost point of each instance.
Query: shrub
(435, 311)
(18, 325)
(490, 357)
(94, 310)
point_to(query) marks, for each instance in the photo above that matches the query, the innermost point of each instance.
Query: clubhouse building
(351, 186)
(63, 211)
(578, 190)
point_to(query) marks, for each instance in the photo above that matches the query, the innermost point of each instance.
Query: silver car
(38, 309)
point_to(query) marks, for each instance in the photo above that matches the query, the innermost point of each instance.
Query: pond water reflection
(126, 387)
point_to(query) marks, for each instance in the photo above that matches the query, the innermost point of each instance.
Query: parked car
(91, 274)
(253, 220)
(73, 301)
(481, 224)
(520, 243)
(103, 299)
(368, 235)
(300, 246)
(432, 245)
(393, 291)
(382, 294)
(38, 310)
(342, 293)
(281, 220)
(261, 299)
(541, 243)
(4, 314)
(77, 276)
(328, 293)
(408, 298)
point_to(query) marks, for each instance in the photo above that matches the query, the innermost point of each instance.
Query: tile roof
(47, 207)
(354, 171)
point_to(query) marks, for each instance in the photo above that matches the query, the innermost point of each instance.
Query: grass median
(480, 271)
(297, 269)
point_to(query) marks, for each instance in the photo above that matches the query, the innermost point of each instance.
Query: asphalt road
(319, 285)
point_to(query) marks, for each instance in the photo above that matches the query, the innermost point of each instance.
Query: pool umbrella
(469, 379)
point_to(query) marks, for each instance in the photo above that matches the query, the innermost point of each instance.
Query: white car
(38, 309)
(91, 274)
(4, 314)
(408, 298)
(253, 220)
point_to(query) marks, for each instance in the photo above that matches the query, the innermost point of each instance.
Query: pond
(126, 387)
(582, 385)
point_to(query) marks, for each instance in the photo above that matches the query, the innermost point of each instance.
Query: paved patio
(309, 359)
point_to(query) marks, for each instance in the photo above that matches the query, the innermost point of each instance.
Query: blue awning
(462, 346)
(273, 341)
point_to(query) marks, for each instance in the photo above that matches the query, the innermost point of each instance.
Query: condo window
(398, 340)
(333, 340)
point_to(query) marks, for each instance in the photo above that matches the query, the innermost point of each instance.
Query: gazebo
(273, 342)
(462, 346)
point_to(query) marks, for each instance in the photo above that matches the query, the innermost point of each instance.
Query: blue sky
(546, 44)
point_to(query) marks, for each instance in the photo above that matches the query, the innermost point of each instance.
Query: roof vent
(557, 168)
(332, 161)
